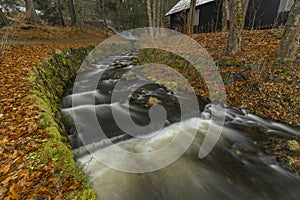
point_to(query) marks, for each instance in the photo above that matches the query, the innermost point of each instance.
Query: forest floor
(254, 80)
(23, 47)
(265, 89)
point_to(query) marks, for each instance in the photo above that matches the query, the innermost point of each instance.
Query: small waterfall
(238, 167)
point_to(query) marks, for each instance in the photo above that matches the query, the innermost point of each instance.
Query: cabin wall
(210, 18)
(178, 21)
(261, 14)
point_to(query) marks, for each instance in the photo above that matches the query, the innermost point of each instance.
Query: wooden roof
(285, 5)
(185, 4)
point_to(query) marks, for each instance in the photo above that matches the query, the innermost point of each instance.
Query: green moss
(82, 195)
(293, 145)
(66, 118)
(170, 85)
(129, 76)
(135, 60)
(48, 81)
(290, 160)
(163, 57)
(120, 65)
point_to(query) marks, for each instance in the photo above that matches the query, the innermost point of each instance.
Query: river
(240, 166)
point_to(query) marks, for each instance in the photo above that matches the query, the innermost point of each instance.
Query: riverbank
(258, 83)
(253, 81)
(26, 172)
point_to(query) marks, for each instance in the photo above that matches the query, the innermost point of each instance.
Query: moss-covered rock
(47, 83)
(120, 65)
(293, 145)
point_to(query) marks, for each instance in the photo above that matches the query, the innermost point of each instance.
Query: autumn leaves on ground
(20, 133)
(257, 82)
(253, 82)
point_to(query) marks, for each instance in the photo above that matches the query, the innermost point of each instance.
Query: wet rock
(290, 160)
(293, 145)
(135, 59)
(120, 65)
(152, 101)
(129, 76)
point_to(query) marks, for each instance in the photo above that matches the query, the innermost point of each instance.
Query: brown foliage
(20, 133)
(270, 90)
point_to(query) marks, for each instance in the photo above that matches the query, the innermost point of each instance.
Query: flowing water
(239, 167)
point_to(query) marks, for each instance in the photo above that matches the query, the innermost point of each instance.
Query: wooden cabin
(283, 11)
(261, 14)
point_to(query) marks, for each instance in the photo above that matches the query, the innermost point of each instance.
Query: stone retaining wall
(48, 81)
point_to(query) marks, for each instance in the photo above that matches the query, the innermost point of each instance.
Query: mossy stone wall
(47, 83)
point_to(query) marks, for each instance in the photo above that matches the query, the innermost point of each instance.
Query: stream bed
(240, 166)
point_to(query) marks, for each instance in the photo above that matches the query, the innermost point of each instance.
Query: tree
(154, 15)
(103, 11)
(59, 8)
(30, 11)
(224, 15)
(121, 14)
(158, 16)
(245, 8)
(150, 18)
(72, 12)
(236, 27)
(3, 19)
(291, 36)
(238, 9)
(190, 28)
(52, 11)
(154, 12)
(8, 5)
(149, 12)
(165, 7)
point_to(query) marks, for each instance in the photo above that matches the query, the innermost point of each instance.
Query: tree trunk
(245, 8)
(154, 8)
(45, 5)
(236, 27)
(30, 11)
(103, 16)
(158, 21)
(149, 10)
(60, 13)
(162, 10)
(3, 19)
(150, 19)
(190, 28)
(291, 36)
(224, 15)
(72, 12)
